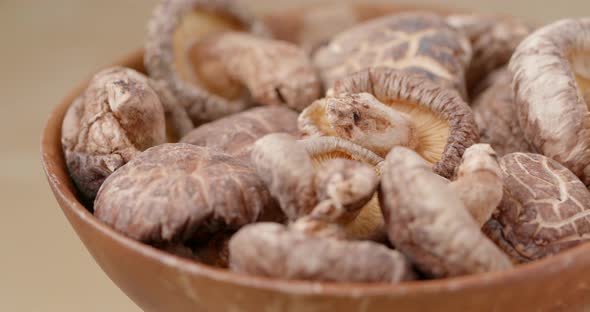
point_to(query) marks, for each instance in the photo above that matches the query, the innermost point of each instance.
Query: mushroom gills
(193, 27)
(584, 85)
(431, 131)
(369, 224)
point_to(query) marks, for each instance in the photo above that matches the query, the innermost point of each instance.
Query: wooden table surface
(46, 48)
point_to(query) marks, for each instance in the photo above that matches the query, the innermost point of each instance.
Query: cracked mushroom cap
(176, 192)
(400, 109)
(118, 116)
(418, 42)
(236, 133)
(494, 111)
(551, 85)
(174, 29)
(493, 40)
(292, 170)
(291, 254)
(545, 208)
(427, 221)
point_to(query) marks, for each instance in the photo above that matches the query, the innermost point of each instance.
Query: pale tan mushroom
(291, 254)
(427, 221)
(551, 83)
(295, 173)
(418, 42)
(381, 108)
(118, 116)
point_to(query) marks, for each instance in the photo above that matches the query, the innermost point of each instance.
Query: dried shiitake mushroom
(118, 116)
(201, 51)
(235, 134)
(427, 221)
(273, 250)
(380, 108)
(551, 82)
(295, 173)
(493, 40)
(313, 26)
(494, 111)
(545, 208)
(176, 192)
(417, 42)
(478, 182)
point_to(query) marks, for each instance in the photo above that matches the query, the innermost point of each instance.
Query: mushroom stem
(274, 72)
(479, 182)
(366, 121)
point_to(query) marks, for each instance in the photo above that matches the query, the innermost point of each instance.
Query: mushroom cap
(291, 254)
(551, 70)
(176, 192)
(427, 221)
(418, 42)
(312, 26)
(545, 208)
(345, 186)
(176, 25)
(493, 40)
(236, 133)
(443, 122)
(274, 72)
(117, 116)
(288, 172)
(494, 111)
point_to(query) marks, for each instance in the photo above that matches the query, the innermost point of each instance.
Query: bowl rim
(51, 153)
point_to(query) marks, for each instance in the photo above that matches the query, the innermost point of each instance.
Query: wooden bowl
(159, 281)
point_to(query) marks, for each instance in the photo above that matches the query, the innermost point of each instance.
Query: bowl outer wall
(158, 281)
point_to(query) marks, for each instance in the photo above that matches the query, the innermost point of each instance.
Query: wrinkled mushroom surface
(176, 192)
(478, 182)
(493, 40)
(236, 133)
(494, 111)
(551, 71)
(417, 42)
(294, 171)
(291, 254)
(427, 221)
(400, 109)
(174, 29)
(545, 208)
(118, 116)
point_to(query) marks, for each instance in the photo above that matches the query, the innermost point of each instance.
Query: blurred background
(47, 48)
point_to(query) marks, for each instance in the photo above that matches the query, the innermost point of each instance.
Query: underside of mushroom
(381, 108)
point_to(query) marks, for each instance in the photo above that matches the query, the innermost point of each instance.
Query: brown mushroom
(427, 221)
(117, 116)
(179, 192)
(291, 254)
(295, 173)
(493, 40)
(478, 182)
(236, 133)
(313, 26)
(551, 71)
(545, 208)
(494, 111)
(380, 108)
(200, 51)
(417, 42)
